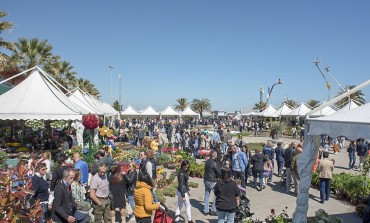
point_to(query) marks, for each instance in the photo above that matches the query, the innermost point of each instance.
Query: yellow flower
(104, 131)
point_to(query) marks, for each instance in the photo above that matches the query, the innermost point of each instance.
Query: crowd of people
(103, 191)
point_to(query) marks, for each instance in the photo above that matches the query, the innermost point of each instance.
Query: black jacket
(57, 176)
(183, 178)
(362, 149)
(288, 157)
(130, 179)
(226, 194)
(257, 162)
(63, 204)
(212, 170)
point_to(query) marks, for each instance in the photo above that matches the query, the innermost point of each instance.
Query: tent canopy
(149, 112)
(37, 98)
(352, 124)
(323, 112)
(349, 106)
(268, 112)
(283, 110)
(130, 111)
(189, 112)
(168, 112)
(79, 98)
(300, 111)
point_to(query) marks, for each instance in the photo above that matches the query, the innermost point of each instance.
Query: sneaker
(213, 213)
(263, 187)
(258, 188)
(269, 180)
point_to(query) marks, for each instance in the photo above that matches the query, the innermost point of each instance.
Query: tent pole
(10, 78)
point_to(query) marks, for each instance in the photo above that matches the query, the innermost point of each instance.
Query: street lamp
(111, 82)
(119, 96)
(270, 91)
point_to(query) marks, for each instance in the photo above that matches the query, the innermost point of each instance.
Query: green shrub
(360, 210)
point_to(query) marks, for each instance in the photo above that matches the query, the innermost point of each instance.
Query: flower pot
(35, 129)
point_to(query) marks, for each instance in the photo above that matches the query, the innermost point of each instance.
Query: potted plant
(35, 124)
(58, 125)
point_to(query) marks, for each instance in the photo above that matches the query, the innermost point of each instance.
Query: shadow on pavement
(196, 204)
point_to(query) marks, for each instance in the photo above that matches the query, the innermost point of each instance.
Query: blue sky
(220, 50)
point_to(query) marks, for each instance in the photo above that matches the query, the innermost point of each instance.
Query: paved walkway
(274, 196)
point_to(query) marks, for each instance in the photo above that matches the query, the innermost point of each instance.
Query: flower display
(58, 124)
(105, 131)
(90, 121)
(75, 149)
(35, 124)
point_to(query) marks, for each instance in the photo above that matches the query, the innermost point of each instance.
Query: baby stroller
(243, 210)
(163, 215)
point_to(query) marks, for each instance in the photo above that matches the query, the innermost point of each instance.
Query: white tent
(300, 111)
(130, 111)
(189, 112)
(352, 124)
(78, 98)
(323, 112)
(268, 112)
(169, 112)
(253, 113)
(149, 112)
(283, 110)
(349, 106)
(37, 98)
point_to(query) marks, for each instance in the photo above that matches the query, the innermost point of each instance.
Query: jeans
(143, 220)
(131, 200)
(81, 217)
(44, 209)
(258, 174)
(228, 215)
(280, 167)
(272, 172)
(208, 187)
(352, 160)
(240, 175)
(324, 189)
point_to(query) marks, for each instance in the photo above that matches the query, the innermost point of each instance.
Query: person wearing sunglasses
(40, 189)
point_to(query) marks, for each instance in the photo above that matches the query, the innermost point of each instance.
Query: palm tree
(290, 103)
(182, 103)
(313, 103)
(358, 97)
(201, 105)
(259, 106)
(4, 26)
(117, 106)
(88, 87)
(28, 53)
(62, 72)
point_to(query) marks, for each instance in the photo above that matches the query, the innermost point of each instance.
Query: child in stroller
(243, 210)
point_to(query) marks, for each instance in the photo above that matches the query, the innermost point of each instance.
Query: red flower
(90, 121)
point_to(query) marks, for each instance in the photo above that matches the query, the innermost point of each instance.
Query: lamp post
(270, 91)
(119, 96)
(111, 83)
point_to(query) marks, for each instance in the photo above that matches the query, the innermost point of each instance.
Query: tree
(88, 87)
(313, 103)
(182, 103)
(259, 106)
(201, 105)
(117, 106)
(28, 53)
(358, 97)
(290, 103)
(4, 26)
(62, 72)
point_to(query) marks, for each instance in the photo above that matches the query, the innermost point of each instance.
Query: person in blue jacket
(239, 164)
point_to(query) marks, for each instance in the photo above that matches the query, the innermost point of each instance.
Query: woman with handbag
(78, 194)
(40, 189)
(117, 188)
